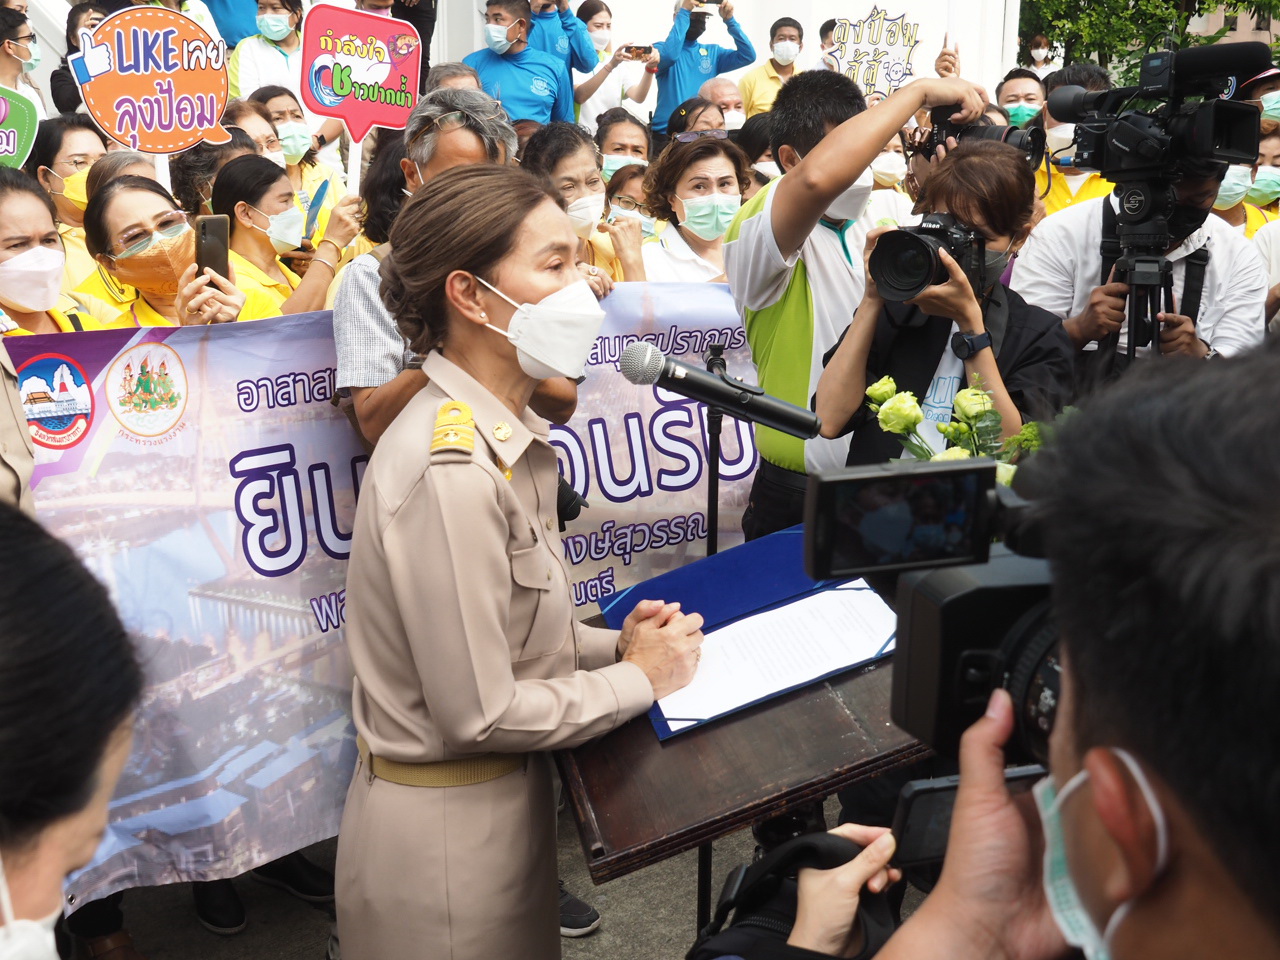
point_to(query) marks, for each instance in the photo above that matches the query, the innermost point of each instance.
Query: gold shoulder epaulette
(455, 429)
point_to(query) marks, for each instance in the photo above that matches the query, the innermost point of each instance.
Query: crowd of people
(465, 282)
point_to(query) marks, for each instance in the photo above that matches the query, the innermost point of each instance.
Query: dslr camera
(971, 616)
(905, 261)
(1030, 140)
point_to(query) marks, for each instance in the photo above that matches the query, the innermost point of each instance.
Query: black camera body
(905, 261)
(972, 617)
(1030, 140)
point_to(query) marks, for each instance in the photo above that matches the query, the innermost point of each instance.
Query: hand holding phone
(213, 241)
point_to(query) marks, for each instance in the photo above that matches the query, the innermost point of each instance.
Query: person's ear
(44, 174)
(1127, 817)
(787, 157)
(243, 215)
(410, 170)
(466, 294)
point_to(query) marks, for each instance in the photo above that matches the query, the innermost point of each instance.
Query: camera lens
(1033, 677)
(904, 263)
(1030, 140)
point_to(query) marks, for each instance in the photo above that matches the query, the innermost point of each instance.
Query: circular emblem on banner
(146, 389)
(56, 399)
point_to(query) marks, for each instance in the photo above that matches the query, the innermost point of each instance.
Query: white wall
(985, 29)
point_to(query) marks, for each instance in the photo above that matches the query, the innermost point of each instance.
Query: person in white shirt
(1042, 63)
(622, 78)
(696, 185)
(19, 55)
(1060, 269)
(1267, 242)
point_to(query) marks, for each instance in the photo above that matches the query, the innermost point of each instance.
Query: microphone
(644, 364)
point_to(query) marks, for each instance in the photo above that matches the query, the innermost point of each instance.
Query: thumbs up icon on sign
(93, 60)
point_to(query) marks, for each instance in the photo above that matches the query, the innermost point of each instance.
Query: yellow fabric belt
(442, 773)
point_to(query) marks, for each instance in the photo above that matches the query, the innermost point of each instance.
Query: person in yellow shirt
(1232, 204)
(32, 262)
(65, 148)
(1063, 186)
(1058, 183)
(760, 86)
(140, 236)
(266, 222)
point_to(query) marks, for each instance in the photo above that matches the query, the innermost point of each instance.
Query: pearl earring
(483, 315)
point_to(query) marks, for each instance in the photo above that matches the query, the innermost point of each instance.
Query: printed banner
(880, 52)
(204, 477)
(18, 123)
(359, 67)
(153, 80)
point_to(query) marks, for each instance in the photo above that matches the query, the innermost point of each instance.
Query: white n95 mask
(585, 213)
(553, 337)
(851, 204)
(25, 939)
(31, 282)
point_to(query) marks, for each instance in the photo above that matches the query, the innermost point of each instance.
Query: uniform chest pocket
(539, 604)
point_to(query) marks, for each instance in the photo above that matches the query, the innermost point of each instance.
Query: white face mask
(769, 168)
(601, 38)
(889, 169)
(495, 36)
(1061, 138)
(31, 282)
(734, 119)
(1040, 54)
(25, 939)
(786, 51)
(277, 157)
(647, 226)
(585, 212)
(553, 337)
(1069, 913)
(284, 229)
(851, 204)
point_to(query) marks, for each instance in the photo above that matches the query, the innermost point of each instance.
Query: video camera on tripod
(1190, 131)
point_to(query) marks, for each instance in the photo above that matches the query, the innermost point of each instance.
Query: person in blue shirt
(531, 85)
(562, 35)
(687, 64)
(235, 19)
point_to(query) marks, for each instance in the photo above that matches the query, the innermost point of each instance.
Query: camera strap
(1197, 264)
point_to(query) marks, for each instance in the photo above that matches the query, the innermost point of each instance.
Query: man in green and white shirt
(794, 259)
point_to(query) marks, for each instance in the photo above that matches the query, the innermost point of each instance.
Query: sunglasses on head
(689, 136)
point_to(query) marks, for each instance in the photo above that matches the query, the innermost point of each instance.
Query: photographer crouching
(935, 317)
(1156, 836)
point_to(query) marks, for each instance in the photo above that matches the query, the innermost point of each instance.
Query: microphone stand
(715, 424)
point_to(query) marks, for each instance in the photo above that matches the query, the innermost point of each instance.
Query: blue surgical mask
(1233, 188)
(495, 36)
(1266, 186)
(274, 26)
(1270, 105)
(1069, 913)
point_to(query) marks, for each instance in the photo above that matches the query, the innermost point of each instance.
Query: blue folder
(740, 582)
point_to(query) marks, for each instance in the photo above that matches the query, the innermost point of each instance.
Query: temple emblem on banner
(147, 390)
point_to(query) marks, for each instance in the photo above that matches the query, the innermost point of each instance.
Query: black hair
(383, 186)
(520, 9)
(554, 143)
(688, 112)
(1087, 75)
(96, 240)
(753, 138)
(827, 29)
(616, 116)
(785, 22)
(17, 181)
(590, 8)
(1159, 509)
(293, 6)
(265, 95)
(69, 678)
(244, 179)
(1019, 73)
(49, 137)
(75, 17)
(808, 104)
(192, 172)
(11, 23)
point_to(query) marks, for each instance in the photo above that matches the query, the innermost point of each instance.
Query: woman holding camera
(951, 335)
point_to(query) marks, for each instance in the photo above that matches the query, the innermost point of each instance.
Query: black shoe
(218, 907)
(297, 875)
(577, 919)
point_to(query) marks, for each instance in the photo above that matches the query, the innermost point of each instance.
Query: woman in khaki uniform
(469, 663)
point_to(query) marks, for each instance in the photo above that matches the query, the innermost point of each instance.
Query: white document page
(771, 652)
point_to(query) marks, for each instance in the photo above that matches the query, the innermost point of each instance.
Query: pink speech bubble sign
(359, 68)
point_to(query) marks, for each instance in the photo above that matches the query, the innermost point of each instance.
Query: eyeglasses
(77, 163)
(30, 36)
(171, 225)
(270, 145)
(453, 121)
(629, 203)
(691, 136)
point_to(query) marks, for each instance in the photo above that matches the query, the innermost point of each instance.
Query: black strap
(76, 324)
(1111, 249)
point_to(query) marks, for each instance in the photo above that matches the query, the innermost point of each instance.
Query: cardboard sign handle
(354, 154)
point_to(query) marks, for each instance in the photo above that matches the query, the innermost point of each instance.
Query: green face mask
(1266, 187)
(612, 163)
(1021, 113)
(709, 217)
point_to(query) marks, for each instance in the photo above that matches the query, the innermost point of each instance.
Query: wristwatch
(968, 345)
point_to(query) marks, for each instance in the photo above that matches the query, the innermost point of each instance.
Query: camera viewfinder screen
(907, 521)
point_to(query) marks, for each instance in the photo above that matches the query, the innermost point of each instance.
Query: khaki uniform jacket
(17, 453)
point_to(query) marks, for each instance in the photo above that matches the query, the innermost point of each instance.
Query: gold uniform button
(502, 431)
(548, 574)
(548, 523)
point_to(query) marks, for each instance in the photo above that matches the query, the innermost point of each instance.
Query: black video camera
(971, 617)
(905, 261)
(1030, 141)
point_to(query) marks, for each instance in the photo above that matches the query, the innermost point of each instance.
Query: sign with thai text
(18, 123)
